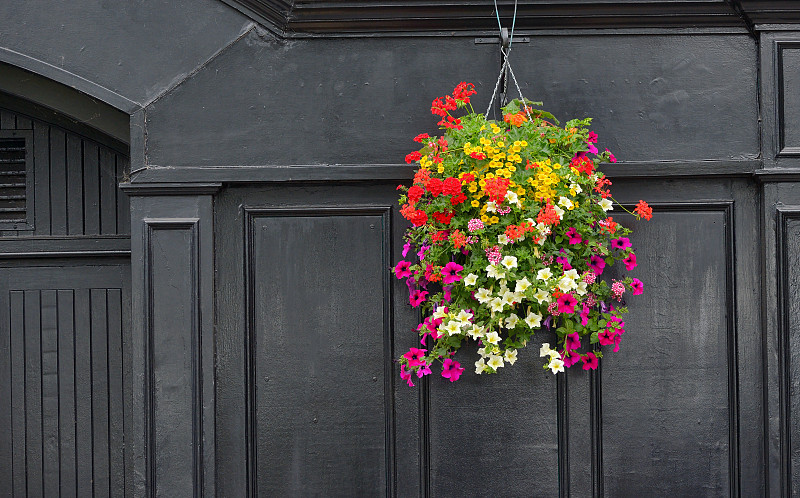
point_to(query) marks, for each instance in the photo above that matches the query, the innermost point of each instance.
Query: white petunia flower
(480, 366)
(563, 201)
(491, 207)
(582, 288)
(476, 332)
(464, 317)
(544, 274)
(493, 272)
(496, 304)
(511, 356)
(556, 365)
(453, 327)
(470, 280)
(483, 295)
(482, 352)
(566, 284)
(534, 320)
(508, 297)
(440, 312)
(542, 296)
(606, 205)
(509, 262)
(502, 239)
(495, 361)
(518, 297)
(511, 197)
(545, 349)
(559, 212)
(493, 337)
(522, 285)
(575, 189)
(573, 274)
(512, 321)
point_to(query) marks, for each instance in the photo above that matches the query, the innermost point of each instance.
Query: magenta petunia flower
(611, 157)
(402, 269)
(566, 303)
(564, 262)
(415, 357)
(448, 293)
(417, 297)
(423, 370)
(570, 360)
(621, 243)
(451, 370)
(630, 262)
(406, 248)
(574, 236)
(406, 375)
(592, 137)
(596, 263)
(585, 315)
(606, 337)
(572, 341)
(637, 286)
(422, 250)
(450, 273)
(589, 361)
(592, 148)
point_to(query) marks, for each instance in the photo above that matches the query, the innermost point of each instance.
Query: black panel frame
(28, 224)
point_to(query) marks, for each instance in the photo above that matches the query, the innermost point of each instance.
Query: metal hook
(505, 43)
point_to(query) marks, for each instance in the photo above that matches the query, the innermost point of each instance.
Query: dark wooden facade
(224, 322)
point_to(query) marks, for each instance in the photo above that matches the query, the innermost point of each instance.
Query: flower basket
(510, 233)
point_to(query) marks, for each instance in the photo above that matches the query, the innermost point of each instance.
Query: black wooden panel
(75, 189)
(788, 98)
(316, 307)
(60, 326)
(173, 355)
(669, 399)
(495, 434)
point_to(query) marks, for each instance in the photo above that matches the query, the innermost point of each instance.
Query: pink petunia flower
(406, 248)
(451, 370)
(415, 357)
(592, 148)
(621, 243)
(637, 286)
(574, 236)
(611, 156)
(406, 375)
(630, 262)
(448, 293)
(572, 341)
(592, 138)
(423, 370)
(570, 359)
(585, 315)
(402, 269)
(606, 337)
(589, 361)
(596, 263)
(566, 303)
(417, 297)
(450, 273)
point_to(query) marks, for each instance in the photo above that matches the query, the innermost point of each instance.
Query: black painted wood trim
(72, 246)
(783, 215)
(250, 213)
(306, 17)
(170, 188)
(150, 180)
(150, 226)
(778, 47)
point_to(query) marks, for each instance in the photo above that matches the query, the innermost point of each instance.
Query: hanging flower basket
(510, 234)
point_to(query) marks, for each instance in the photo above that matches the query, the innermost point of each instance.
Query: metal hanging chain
(505, 51)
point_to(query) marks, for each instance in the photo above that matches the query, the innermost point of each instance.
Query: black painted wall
(263, 162)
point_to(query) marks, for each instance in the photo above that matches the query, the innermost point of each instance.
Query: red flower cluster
(413, 156)
(643, 210)
(443, 218)
(417, 217)
(421, 138)
(599, 188)
(463, 90)
(459, 239)
(415, 194)
(517, 232)
(548, 216)
(440, 108)
(497, 188)
(583, 165)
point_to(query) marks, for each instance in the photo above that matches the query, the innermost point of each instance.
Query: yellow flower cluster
(545, 179)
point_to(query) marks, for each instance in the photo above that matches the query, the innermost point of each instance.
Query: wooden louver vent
(13, 201)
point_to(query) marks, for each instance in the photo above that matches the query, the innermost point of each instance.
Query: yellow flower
(484, 218)
(440, 169)
(501, 144)
(494, 219)
(475, 203)
(523, 143)
(472, 188)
